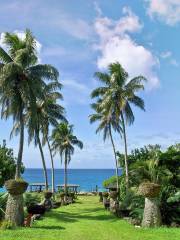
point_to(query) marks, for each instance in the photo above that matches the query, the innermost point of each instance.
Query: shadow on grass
(49, 227)
(86, 215)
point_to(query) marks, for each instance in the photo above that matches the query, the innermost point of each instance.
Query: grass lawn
(86, 220)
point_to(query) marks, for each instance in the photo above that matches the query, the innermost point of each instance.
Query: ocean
(86, 178)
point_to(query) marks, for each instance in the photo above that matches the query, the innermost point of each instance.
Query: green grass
(86, 220)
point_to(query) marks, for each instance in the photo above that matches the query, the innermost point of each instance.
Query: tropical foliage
(63, 142)
(25, 95)
(113, 105)
(152, 164)
(7, 164)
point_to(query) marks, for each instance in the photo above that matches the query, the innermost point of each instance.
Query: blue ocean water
(86, 178)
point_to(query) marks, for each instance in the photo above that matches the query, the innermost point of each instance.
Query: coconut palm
(63, 142)
(21, 78)
(48, 112)
(107, 124)
(51, 112)
(118, 93)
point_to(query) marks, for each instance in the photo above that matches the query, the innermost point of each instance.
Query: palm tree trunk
(116, 162)
(21, 144)
(43, 162)
(65, 177)
(125, 149)
(52, 165)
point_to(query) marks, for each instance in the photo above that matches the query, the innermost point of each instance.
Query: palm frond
(4, 57)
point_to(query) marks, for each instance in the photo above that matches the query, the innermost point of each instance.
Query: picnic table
(71, 187)
(36, 187)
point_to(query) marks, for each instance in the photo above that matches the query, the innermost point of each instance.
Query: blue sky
(80, 37)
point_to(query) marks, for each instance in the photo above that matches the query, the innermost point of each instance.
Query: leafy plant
(32, 199)
(3, 200)
(7, 164)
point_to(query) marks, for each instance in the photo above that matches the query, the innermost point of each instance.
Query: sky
(81, 37)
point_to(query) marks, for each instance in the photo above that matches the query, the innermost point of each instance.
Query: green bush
(32, 199)
(170, 205)
(3, 200)
(7, 164)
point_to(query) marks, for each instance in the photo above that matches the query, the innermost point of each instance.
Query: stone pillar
(15, 207)
(14, 210)
(152, 215)
(114, 206)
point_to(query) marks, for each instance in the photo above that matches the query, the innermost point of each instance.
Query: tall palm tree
(51, 112)
(21, 78)
(48, 112)
(63, 142)
(118, 93)
(107, 123)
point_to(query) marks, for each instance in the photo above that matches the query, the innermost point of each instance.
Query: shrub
(7, 164)
(134, 204)
(61, 194)
(170, 207)
(3, 200)
(32, 199)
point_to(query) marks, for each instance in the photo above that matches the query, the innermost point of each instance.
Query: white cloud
(21, 35)
(50, 16)
(166, 54)
(75, 92)
(77, 28)
(75, 85)
(115, 44)
(166, 10)
(169, 56)
(174, 62)
(97, 9)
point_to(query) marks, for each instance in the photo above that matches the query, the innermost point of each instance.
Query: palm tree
(63, 142)
(107, 123)
(21, 78)
(51, 112)
(118, 93)
(48, 112)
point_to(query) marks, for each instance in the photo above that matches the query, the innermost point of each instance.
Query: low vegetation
(88, 220)
(153, 166)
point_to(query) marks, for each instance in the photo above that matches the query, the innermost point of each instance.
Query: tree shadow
(64, 216)
(49, 227)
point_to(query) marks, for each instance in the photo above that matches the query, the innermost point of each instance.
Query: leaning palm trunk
(65, 178)
(52, 165)
(43, 162)
(14, 207)
(125, 154)
(116, 162)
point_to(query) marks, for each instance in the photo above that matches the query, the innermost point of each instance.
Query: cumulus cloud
(166, 10)
(116, 44)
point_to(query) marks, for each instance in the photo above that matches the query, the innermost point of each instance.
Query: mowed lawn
(86, 220)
